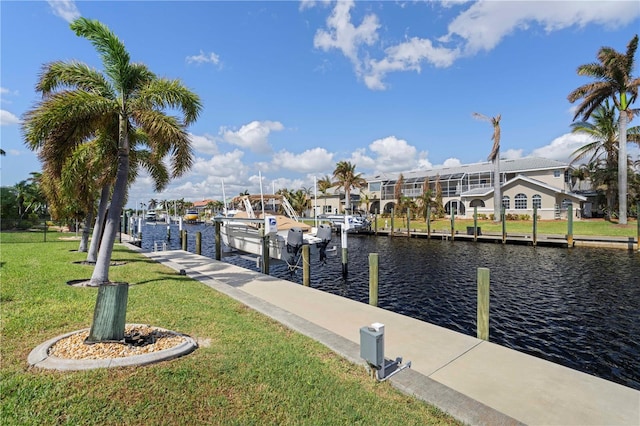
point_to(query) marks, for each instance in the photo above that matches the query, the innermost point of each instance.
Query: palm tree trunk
(497, 193)
(92, 255)
(111, 305)
(84, 240)
(622, 169)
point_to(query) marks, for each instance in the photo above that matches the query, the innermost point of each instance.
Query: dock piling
(218, 241)
(373, 279)
(483, 304)
(570, 225)
(198, 243)
(306, 266)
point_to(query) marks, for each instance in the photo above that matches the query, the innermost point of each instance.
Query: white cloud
(228, 165)
(485, 24)
(203, 58)
(562, 147)
(310, 161)
(481, 27)
(345, 36)
(65, 9)
(254, 136)
(7, 119)
(394, 155)
(451, 162)
(205, 144)
(511, 154)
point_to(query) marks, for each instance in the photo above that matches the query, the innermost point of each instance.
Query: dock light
(372, 351)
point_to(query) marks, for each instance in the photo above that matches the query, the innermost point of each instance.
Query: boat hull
(248, 240)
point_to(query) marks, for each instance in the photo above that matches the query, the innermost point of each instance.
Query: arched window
(537, 201)
(520, 201)
(476, 203)
(506, 202)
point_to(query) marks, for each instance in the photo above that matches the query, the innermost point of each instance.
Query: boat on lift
(276, 218)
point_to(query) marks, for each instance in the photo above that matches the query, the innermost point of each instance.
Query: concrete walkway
(476, 381)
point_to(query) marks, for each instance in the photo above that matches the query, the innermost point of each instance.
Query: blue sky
(291, 88)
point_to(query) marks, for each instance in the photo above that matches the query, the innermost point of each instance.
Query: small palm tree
(614, 81)
(494, 157)
(79, 101)
(346, 177)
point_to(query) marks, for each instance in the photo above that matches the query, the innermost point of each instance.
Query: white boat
(150, 217)
(357, 223)
(287, 234)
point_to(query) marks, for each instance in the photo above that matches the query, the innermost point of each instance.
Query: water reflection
(576, 307)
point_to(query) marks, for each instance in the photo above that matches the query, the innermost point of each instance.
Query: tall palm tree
(613, 78)
(79, 101)
(346, 177)
(398, 193)
(494, 157)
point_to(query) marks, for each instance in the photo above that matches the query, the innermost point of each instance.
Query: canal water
(576, 307)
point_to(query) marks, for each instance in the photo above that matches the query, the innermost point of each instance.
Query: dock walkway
(477, 382)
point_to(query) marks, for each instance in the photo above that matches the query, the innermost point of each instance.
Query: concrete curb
(40, 358)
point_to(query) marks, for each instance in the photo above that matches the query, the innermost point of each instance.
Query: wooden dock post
(375, 223)
(198, 242)
(373, 279)
(429, 222)
(475, 223)
(483, 304)
(503, 219)
(409, 223)
(184, 240)
(453, 223)
(393, 215)
(638, 224)
(306, 266)
(570, 225)
(218, 242)
(535, 225)
(168, 232)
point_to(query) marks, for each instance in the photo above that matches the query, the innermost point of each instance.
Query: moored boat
(287, 234)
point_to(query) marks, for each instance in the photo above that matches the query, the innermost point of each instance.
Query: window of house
(326, 209)
(520, 201)
(506, 202)
(556, 173)
(566, 203)
(537, 201)
(374, 186)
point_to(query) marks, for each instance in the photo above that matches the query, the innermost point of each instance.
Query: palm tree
(79, 101)
(346, 177)
(397, 192)
(603, 148)
(494, 157)
(425, 200)
(298, 200)
(323, 185)
(613, 78)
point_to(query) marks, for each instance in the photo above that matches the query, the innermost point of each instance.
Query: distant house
(201, 207)
(525, 182)
(334, 200)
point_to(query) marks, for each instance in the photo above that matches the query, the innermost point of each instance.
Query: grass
(254, 371)
(592, 227)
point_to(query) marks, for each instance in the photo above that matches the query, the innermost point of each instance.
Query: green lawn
(251, 371)
(592, 227)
